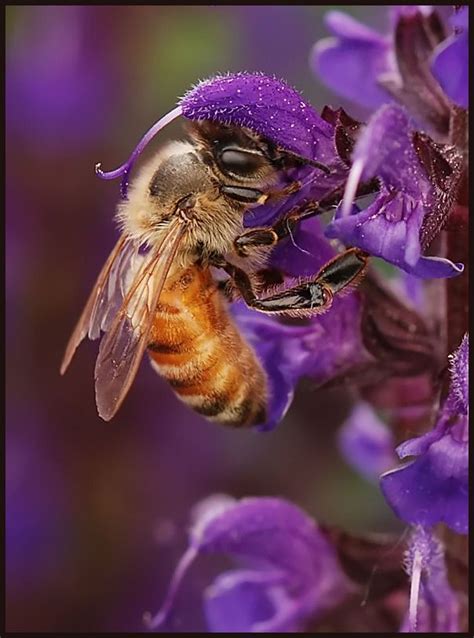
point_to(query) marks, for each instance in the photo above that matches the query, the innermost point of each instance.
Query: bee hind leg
(309, 297)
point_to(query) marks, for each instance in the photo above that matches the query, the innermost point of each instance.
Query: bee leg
(310, 297)
(271, 235)
(269, 278)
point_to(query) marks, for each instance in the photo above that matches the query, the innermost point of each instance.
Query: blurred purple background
(97, 512)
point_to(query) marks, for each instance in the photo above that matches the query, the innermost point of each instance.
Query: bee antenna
(124, 170)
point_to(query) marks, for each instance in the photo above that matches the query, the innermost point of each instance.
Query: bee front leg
(271, 235)
(310, 297)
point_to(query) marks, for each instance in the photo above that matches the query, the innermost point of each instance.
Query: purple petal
(386, 150)
(343, 25)
(323, 349)
(282, 353)
(389, 228)
(206, 511)
(450, 62)
(436, 268)
(293, 554)
(450, 68)
(460, 18)
(351, 62)
(366, 442)
(381, 229)
(421, 444)
(265, 105)
(250, 601)
(262, 528)
(434, 487)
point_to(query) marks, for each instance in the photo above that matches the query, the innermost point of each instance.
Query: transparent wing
(113, 296)
(104, 300)
(123, 345)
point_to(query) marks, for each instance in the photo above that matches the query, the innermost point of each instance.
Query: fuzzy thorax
(177, 182)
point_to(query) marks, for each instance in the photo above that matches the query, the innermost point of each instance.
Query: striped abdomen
(196, 346)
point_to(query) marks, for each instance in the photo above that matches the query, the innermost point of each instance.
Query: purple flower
(367, 443)
(390, 226)
(291, 571)
(265, 105)
(371, 69)
(434, 606)
(351, 61)
(450, 62)
(433, 487)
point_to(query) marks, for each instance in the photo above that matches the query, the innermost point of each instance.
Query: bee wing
(110, 302)
(104, 297)
(122, 347)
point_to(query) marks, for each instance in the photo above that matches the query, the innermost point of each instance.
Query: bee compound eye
(239, 162)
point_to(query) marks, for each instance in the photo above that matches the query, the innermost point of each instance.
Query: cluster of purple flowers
(397, 182)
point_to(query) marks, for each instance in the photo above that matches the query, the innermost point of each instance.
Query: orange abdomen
(196, 346)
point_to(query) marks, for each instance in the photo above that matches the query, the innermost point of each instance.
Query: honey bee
(158, 291)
